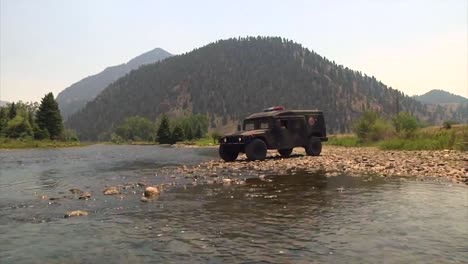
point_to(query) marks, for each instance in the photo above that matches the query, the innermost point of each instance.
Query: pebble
(75, 213)
(85, 196)
(111, 191)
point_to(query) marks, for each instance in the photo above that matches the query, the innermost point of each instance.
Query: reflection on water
(298, 218)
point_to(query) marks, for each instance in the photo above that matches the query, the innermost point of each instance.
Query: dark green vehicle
(275, 128)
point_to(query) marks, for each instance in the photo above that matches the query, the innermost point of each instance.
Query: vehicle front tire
(256, 150)
(314, 147)
(285, 152)
(227, 153)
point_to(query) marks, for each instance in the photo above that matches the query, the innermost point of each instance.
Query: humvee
(278, 129)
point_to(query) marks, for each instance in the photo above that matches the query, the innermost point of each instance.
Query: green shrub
(371, 127)
(18, 127)
(114, 138)
(136, 128)
(215, 135)
(405, 124)
(448, 124)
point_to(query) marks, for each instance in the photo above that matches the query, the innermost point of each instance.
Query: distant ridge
(440, 97)
(75, 97)
(3, 103)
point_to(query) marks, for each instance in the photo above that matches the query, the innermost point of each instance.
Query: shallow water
(299, 218)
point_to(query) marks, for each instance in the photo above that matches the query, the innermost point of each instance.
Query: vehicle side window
(264, 125)
(249, 126)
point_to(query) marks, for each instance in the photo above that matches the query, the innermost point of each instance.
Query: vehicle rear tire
(227, 153)
(285, 152)
(314, 146)
(256, 150)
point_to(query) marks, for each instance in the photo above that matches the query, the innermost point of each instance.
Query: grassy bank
(7, 143)
(430, 138)
(202, 142)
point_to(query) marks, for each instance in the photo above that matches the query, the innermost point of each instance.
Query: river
(300, 218)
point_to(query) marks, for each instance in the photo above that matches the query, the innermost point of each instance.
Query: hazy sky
(413, 46)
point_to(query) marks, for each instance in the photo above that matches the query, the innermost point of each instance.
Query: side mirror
(238, 127)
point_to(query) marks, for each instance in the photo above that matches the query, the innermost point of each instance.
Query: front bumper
(235, 140)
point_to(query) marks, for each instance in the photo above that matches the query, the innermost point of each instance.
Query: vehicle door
(297, 130)
(288, 132)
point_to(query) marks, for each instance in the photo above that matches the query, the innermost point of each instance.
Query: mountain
(440, 97)
(231, 78)
(454, 107)
(3, 103)
(78, 94)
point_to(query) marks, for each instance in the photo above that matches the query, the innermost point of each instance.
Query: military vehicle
(276, 129)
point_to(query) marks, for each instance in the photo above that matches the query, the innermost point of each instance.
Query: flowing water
(301, 218)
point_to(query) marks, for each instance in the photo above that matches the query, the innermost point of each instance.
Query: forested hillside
(77, 95)
(231, 78)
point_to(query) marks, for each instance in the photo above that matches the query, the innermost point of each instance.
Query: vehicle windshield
(258, 123)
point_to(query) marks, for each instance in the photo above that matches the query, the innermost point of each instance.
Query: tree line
(32, 120)
(163, 131)
(372, 127)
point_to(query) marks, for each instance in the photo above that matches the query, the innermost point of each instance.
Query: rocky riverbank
(448, 164)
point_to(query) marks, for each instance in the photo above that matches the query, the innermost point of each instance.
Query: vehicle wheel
(285, 152)
(256, 150)
(227, 153)
(314, 147)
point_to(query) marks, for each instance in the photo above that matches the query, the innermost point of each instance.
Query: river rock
(151, 191)
(75, 213)
(84, 196)
(227, 181)
(111, 191)
(75, 191)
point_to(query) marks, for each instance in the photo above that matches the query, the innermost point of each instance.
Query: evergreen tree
(188, 132)
(12, 112)
(198, 132)
(48, 117)
(3, 120)
(177, 134)
(164, 131)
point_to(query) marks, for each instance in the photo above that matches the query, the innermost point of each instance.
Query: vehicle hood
(248, 133)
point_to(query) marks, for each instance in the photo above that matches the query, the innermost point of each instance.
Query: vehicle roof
(283, 113)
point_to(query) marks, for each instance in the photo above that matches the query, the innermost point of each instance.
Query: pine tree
(177, 134)
(198, 132)
(164, 131)
(12, 112)
(3, 120)
(48, 117)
